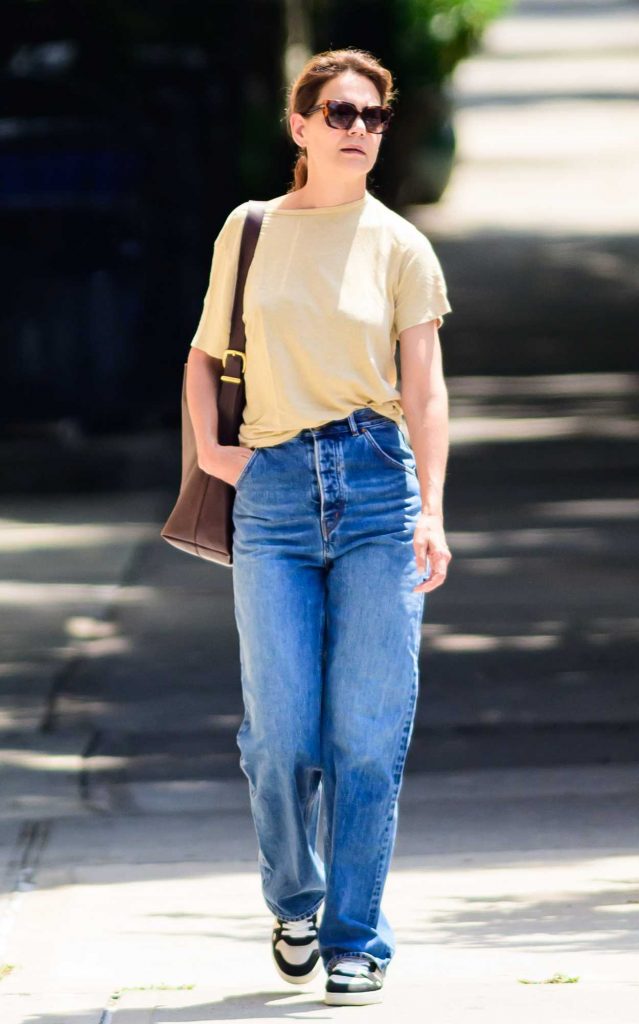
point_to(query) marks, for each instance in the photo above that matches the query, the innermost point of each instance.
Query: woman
(335, 518)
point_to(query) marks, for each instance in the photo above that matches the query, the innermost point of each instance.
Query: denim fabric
(329, 631)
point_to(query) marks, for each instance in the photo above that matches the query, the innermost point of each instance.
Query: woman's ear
(297, 125)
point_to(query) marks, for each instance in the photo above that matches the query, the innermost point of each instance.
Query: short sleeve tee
(327, 294)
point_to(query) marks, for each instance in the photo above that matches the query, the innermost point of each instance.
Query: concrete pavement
(501, 882)
(130, 886)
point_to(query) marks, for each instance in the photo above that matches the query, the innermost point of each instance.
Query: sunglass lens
(342, 115)
(374, 119)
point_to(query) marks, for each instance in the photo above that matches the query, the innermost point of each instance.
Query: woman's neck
(330, 194)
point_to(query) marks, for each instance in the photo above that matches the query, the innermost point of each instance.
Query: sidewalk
(127, 848)
(121, 652)
(499, 877)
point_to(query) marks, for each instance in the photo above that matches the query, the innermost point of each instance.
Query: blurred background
(128, 131)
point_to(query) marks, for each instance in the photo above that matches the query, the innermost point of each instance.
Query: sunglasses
(340, 114)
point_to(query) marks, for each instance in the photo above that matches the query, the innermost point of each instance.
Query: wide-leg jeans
(329, 635)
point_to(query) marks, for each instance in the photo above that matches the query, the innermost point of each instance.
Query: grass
(557, 979)
(148, 988)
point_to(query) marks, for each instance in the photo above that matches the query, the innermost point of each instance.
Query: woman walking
(336, 518)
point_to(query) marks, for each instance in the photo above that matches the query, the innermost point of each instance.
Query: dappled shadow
(136, 671)
(603, 922)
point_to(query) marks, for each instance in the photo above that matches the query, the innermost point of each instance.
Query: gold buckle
(234, 352)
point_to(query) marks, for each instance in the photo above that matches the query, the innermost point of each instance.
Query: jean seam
(321, 493)
(397, 778)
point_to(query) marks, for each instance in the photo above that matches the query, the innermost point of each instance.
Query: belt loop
(352, 422)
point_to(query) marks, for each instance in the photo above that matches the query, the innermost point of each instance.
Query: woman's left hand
(430, 545)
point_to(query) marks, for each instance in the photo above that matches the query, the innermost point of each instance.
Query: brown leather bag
(201, 522)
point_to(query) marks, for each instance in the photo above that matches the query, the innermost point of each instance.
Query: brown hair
(320, 68)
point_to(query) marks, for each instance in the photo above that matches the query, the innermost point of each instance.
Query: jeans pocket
(389, 444)
(245, 468)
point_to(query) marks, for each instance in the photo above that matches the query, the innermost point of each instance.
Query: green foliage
(433, 36)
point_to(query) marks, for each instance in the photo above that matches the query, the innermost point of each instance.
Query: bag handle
(231, 396)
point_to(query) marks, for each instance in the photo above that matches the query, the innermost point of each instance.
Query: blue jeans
(329, 632)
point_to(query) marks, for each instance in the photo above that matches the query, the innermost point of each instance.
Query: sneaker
(296, 949)
(354, 982)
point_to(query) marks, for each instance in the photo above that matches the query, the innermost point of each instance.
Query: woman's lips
(352, 149)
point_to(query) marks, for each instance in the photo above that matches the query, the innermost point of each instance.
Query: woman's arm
(425, 404)
(202, 383)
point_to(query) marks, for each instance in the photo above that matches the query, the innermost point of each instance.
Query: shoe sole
(353, 998)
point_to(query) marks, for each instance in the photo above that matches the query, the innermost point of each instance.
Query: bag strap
(231, 396)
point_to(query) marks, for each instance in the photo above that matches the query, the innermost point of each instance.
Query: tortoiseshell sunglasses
(340, 114)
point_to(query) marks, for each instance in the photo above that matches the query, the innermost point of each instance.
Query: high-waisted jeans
(329, 632)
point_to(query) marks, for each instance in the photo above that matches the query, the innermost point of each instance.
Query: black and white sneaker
(296, 949)
(353, 981)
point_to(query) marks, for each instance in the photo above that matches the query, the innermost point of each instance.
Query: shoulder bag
(201, 522)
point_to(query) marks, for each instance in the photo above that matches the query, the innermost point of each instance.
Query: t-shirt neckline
(338, 208)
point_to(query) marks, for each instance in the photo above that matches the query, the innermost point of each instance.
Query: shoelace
(298, 929)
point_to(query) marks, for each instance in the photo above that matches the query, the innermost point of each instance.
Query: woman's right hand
(225, 461)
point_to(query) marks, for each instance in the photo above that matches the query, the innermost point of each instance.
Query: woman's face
(326, 147)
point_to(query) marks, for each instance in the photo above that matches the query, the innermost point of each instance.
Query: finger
(435, 581)
(423, 564)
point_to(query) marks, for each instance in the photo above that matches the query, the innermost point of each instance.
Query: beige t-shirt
(326, 296)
